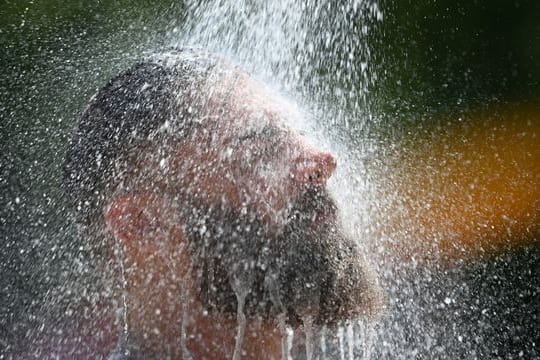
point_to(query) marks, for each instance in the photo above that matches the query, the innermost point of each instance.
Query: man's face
(252, 158)
(261, 222)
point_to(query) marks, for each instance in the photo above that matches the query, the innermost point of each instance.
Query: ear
(131, 217)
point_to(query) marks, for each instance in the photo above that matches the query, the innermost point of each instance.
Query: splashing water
(350, 341)
(341, 339)
(241, 324)
(322, 341)
(285, 337)
(241, 284)
(308, 329)
(319, 54)
(366, 338)
(287, 43)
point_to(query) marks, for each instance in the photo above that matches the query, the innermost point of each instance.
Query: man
(191, 187)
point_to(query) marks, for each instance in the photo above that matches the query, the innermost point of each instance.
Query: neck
(165, 317)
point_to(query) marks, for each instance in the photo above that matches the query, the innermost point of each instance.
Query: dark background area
(436, 54)
(430, 57)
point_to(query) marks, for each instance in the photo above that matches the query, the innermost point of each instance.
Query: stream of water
(287, 43)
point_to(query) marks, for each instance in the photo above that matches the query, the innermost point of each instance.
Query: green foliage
(447, 53)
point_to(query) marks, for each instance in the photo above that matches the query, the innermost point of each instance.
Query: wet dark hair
(155, 98)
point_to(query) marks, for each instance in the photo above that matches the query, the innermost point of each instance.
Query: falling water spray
(289, 45)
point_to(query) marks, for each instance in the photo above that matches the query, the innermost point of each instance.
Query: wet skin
(252, 157)
(187, 259)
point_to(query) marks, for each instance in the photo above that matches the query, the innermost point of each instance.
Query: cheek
(259, 177)
(212, 177)
(267, 183)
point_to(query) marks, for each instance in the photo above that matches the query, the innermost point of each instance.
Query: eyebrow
(267, 132)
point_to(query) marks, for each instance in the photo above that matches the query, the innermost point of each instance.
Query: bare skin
(232, 172)
(158, 294)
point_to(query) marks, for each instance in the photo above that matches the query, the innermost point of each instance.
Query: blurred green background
(457, 53)
(429, 58)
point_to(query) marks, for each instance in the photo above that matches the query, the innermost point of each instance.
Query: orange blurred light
(466, 189)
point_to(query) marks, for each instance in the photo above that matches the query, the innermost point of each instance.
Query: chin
(322, 275)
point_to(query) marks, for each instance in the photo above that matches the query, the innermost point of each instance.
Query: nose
(314, 168)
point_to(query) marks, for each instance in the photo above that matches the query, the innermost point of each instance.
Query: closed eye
(266, 133)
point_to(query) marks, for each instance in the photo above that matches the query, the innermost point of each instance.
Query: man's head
(187, 151)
